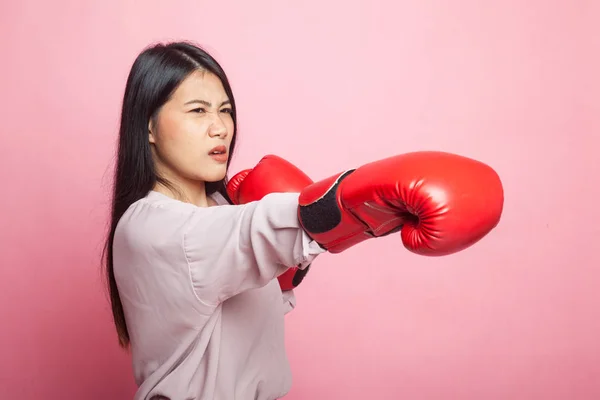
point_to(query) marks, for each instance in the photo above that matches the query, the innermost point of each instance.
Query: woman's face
(193, 131)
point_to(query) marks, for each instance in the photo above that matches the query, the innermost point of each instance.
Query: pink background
(328, 85)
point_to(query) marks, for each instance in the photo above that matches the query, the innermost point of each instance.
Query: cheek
(183, 133)
(169, 129)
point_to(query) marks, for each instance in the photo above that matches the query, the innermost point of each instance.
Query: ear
(151, 136)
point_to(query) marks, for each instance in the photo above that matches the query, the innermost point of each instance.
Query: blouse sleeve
(289, 300)
(230, 249)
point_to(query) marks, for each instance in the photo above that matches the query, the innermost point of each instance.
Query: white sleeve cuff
(311, 250)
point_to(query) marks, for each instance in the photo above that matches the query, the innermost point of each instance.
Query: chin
(216, 177)
(209, 173)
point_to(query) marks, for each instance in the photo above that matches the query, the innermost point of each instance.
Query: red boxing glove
(442, 202)
(272, 174)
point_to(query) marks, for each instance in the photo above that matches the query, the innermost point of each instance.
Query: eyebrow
(206, 103)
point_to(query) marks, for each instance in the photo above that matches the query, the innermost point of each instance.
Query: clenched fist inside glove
(441, 202)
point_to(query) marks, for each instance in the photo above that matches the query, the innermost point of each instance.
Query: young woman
(192, 271)
(180, 260)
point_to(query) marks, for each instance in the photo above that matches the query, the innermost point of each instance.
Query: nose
(217, 128)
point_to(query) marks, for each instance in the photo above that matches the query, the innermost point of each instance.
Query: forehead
(201, 85)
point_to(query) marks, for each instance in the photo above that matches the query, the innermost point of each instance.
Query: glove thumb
(233, 186)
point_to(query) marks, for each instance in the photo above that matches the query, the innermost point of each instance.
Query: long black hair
(155, 74)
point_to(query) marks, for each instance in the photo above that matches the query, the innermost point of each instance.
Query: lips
(219, 154)
(218, 150)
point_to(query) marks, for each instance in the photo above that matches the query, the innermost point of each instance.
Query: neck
(193, 192)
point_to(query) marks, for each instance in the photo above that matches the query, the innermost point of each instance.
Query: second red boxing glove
(271, 174)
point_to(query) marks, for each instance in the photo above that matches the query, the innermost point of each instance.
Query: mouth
(219, 154)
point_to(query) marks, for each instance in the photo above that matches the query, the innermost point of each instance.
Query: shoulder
(157, 220)
(152, 220)
(155, 208)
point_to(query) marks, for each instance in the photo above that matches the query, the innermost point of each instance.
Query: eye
(198, 110)
(227, 110)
